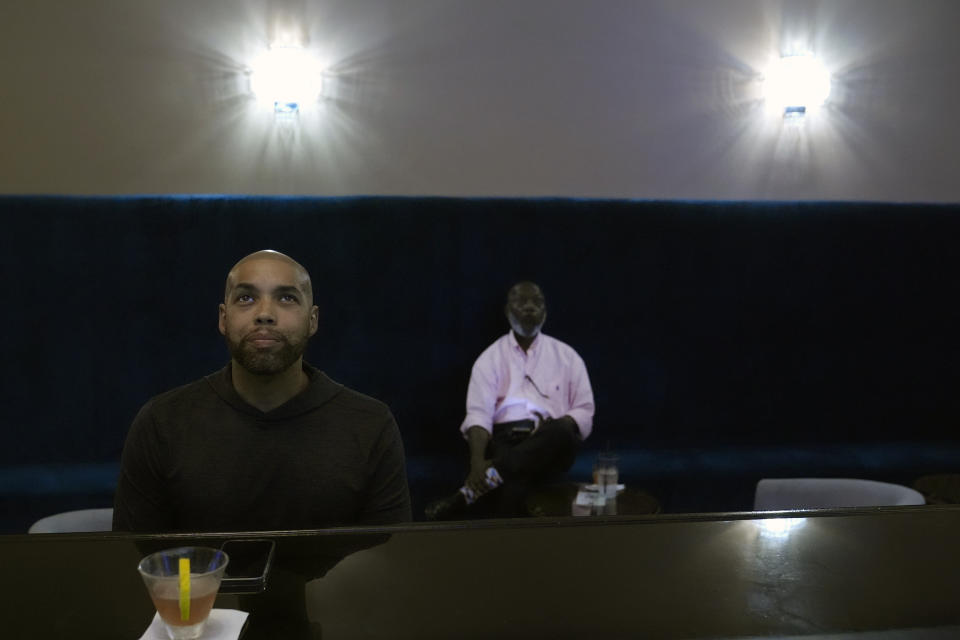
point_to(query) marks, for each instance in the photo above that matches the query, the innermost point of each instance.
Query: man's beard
(267, 362)
(522, 330)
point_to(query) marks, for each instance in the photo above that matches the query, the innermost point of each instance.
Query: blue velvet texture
(723, 339)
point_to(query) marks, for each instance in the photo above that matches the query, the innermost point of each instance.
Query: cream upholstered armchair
(75, 521)
(775, 494)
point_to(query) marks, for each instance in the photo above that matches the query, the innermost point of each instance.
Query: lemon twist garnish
(184, 589)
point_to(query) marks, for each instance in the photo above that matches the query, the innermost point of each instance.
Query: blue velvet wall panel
(701, 324)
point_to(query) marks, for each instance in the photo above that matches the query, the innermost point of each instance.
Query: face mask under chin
(520, 330)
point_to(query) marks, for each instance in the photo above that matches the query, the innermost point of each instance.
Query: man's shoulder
(496, 348)
(347, 399)
(558, 345)
(357, 416)
(561, 349)
(186, 394)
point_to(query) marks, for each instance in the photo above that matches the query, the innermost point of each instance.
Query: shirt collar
(516, 345)
(320, 390)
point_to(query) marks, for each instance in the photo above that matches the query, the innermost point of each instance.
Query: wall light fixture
(286, 78)
(795, 84)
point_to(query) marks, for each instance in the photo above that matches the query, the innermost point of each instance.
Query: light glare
(795, 84)
(286, 77)
(779, 527)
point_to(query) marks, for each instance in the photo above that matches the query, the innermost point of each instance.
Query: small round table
(557, 500)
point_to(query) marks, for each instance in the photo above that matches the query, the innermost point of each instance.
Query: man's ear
(314, 319)
(222, 323)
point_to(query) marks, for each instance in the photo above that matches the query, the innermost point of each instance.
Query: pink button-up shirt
(509, 384)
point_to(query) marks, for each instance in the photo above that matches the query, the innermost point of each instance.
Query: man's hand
(477, 438)
(477, 478)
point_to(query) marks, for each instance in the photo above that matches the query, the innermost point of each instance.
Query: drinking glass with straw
(183, 584)
(606, 473)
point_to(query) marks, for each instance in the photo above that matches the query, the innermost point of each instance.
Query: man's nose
(265, 314)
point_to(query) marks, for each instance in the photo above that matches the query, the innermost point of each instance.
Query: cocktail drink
(183, 584)
(606, 474)
(166, 597)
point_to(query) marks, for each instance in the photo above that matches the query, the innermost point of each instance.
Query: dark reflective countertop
(829, 574)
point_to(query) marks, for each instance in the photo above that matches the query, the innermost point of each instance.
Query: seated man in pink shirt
(529, 406)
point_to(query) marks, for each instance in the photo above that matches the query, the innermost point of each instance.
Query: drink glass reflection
(161, 574)
(606, 474)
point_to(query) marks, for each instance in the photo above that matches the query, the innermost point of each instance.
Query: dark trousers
(525, 461)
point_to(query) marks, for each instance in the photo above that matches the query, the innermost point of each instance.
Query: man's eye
(244, 298)
(288, 298)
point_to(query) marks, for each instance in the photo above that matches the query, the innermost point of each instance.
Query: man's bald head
(268, 316)
(302, 276)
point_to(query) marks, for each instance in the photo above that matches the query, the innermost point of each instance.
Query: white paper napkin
(596, 487)
(223, 624)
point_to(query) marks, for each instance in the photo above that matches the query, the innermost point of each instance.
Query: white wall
(618, 98)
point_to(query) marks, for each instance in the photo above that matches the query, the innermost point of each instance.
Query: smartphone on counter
(248, 565)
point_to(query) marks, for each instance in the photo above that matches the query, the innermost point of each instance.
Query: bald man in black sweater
(269, 442)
